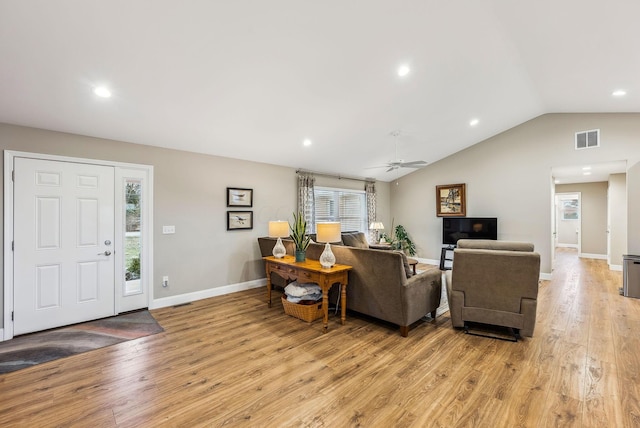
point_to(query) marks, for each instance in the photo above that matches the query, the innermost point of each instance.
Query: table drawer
(305, 276)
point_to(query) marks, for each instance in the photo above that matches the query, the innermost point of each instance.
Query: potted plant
(400, 240)
(299, 236)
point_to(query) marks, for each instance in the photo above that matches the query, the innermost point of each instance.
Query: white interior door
(63, 237)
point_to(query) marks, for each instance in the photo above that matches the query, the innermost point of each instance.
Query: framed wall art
(239, 197)
(239, 220)
(450, 200)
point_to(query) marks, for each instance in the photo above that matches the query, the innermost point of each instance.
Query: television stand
(446, 257)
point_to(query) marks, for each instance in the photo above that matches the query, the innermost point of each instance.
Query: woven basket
(308, 313)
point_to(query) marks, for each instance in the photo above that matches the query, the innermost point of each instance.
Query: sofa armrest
(422, 293)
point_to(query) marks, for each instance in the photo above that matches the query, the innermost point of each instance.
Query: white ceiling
(253, 79)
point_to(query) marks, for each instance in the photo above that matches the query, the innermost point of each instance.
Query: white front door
(63, 243)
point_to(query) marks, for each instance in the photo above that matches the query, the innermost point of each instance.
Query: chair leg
(404, 330)
(433, 314)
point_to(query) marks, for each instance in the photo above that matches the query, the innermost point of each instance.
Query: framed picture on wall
(239, 220)
(450, 200)
(237, 197)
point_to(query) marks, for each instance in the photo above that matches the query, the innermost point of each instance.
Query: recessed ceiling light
(586, 173)
(101, 91)
(307, 142)
(474, 122)
(403, 70)
(619, 93)
(586, 168)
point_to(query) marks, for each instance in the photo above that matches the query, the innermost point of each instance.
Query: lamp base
(278, 250)
(327, 259)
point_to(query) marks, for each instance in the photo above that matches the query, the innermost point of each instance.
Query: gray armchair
(494, 282)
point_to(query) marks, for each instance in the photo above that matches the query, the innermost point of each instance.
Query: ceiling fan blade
(391, 169)
(414, 164)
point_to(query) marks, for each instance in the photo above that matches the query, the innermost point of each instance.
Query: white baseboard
(567, 246)
(2, 338)
(593, 256)
(205, 294)
(545, 276)
(616, 267)
(427, 261)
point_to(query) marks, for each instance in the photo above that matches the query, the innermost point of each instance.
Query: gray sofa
(494, 282)
(381, 284)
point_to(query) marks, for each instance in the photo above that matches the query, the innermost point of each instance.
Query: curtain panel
(306, 202)
(370, 191)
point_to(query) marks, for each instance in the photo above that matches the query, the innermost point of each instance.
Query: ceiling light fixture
(586, 173)
(306, 142)
(403, 70)
(101, 91)
(619, 93)
(474, 122)
(586, 168)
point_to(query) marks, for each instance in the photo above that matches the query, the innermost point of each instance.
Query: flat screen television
(454, 228)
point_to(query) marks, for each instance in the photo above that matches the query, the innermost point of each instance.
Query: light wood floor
(230, 361)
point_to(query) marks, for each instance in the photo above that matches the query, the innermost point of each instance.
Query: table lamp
(328, 232)
(279, 229)
(377, 226)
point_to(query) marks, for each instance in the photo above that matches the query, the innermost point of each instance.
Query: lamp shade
(328, 232)
(278, 229)
(376, 225)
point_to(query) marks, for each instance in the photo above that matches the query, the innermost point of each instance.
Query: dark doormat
(36, 348)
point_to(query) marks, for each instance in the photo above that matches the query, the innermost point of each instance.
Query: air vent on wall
(588, 139)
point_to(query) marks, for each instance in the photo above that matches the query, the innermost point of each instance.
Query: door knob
(106, 253)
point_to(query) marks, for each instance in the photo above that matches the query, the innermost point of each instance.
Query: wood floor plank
(232, 361)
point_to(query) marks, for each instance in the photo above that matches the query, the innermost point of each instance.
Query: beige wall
(508, 176)
(190, 193)
(633, 209)
(593, 225)
(617, 200)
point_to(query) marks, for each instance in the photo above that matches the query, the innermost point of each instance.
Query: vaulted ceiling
(254, 79)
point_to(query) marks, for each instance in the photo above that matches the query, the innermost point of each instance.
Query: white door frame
(147, 256)
(558, 197)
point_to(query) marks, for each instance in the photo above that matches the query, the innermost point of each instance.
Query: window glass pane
(347, 207)
(133, 238)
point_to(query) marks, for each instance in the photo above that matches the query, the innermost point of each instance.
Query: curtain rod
(339, 177)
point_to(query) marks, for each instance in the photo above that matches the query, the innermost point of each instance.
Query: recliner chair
(494, 282)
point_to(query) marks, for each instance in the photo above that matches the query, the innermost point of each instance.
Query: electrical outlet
(168, 230)
(165, 281)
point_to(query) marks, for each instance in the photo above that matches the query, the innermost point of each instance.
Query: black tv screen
(454, 228)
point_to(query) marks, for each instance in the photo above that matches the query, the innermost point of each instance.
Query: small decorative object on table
(299, 236)
(278, 229)
(328, 232)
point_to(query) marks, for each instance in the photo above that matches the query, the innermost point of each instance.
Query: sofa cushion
(407, 269)
(488, 244)
(355, 239)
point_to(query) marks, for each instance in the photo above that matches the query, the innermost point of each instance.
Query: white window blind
(346, 206)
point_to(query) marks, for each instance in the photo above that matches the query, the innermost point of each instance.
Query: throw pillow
(355, 239)
(407, 269)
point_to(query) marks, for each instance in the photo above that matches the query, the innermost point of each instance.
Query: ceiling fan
(400, 163)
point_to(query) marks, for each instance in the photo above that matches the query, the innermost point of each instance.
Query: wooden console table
(311, 271)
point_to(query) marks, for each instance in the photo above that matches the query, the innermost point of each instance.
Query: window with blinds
(349, 207)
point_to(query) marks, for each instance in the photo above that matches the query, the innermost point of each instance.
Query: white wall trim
(546, 276)
(205, 294)
(568, 246)
(593, 256)
(427, 261)
(617, 268)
